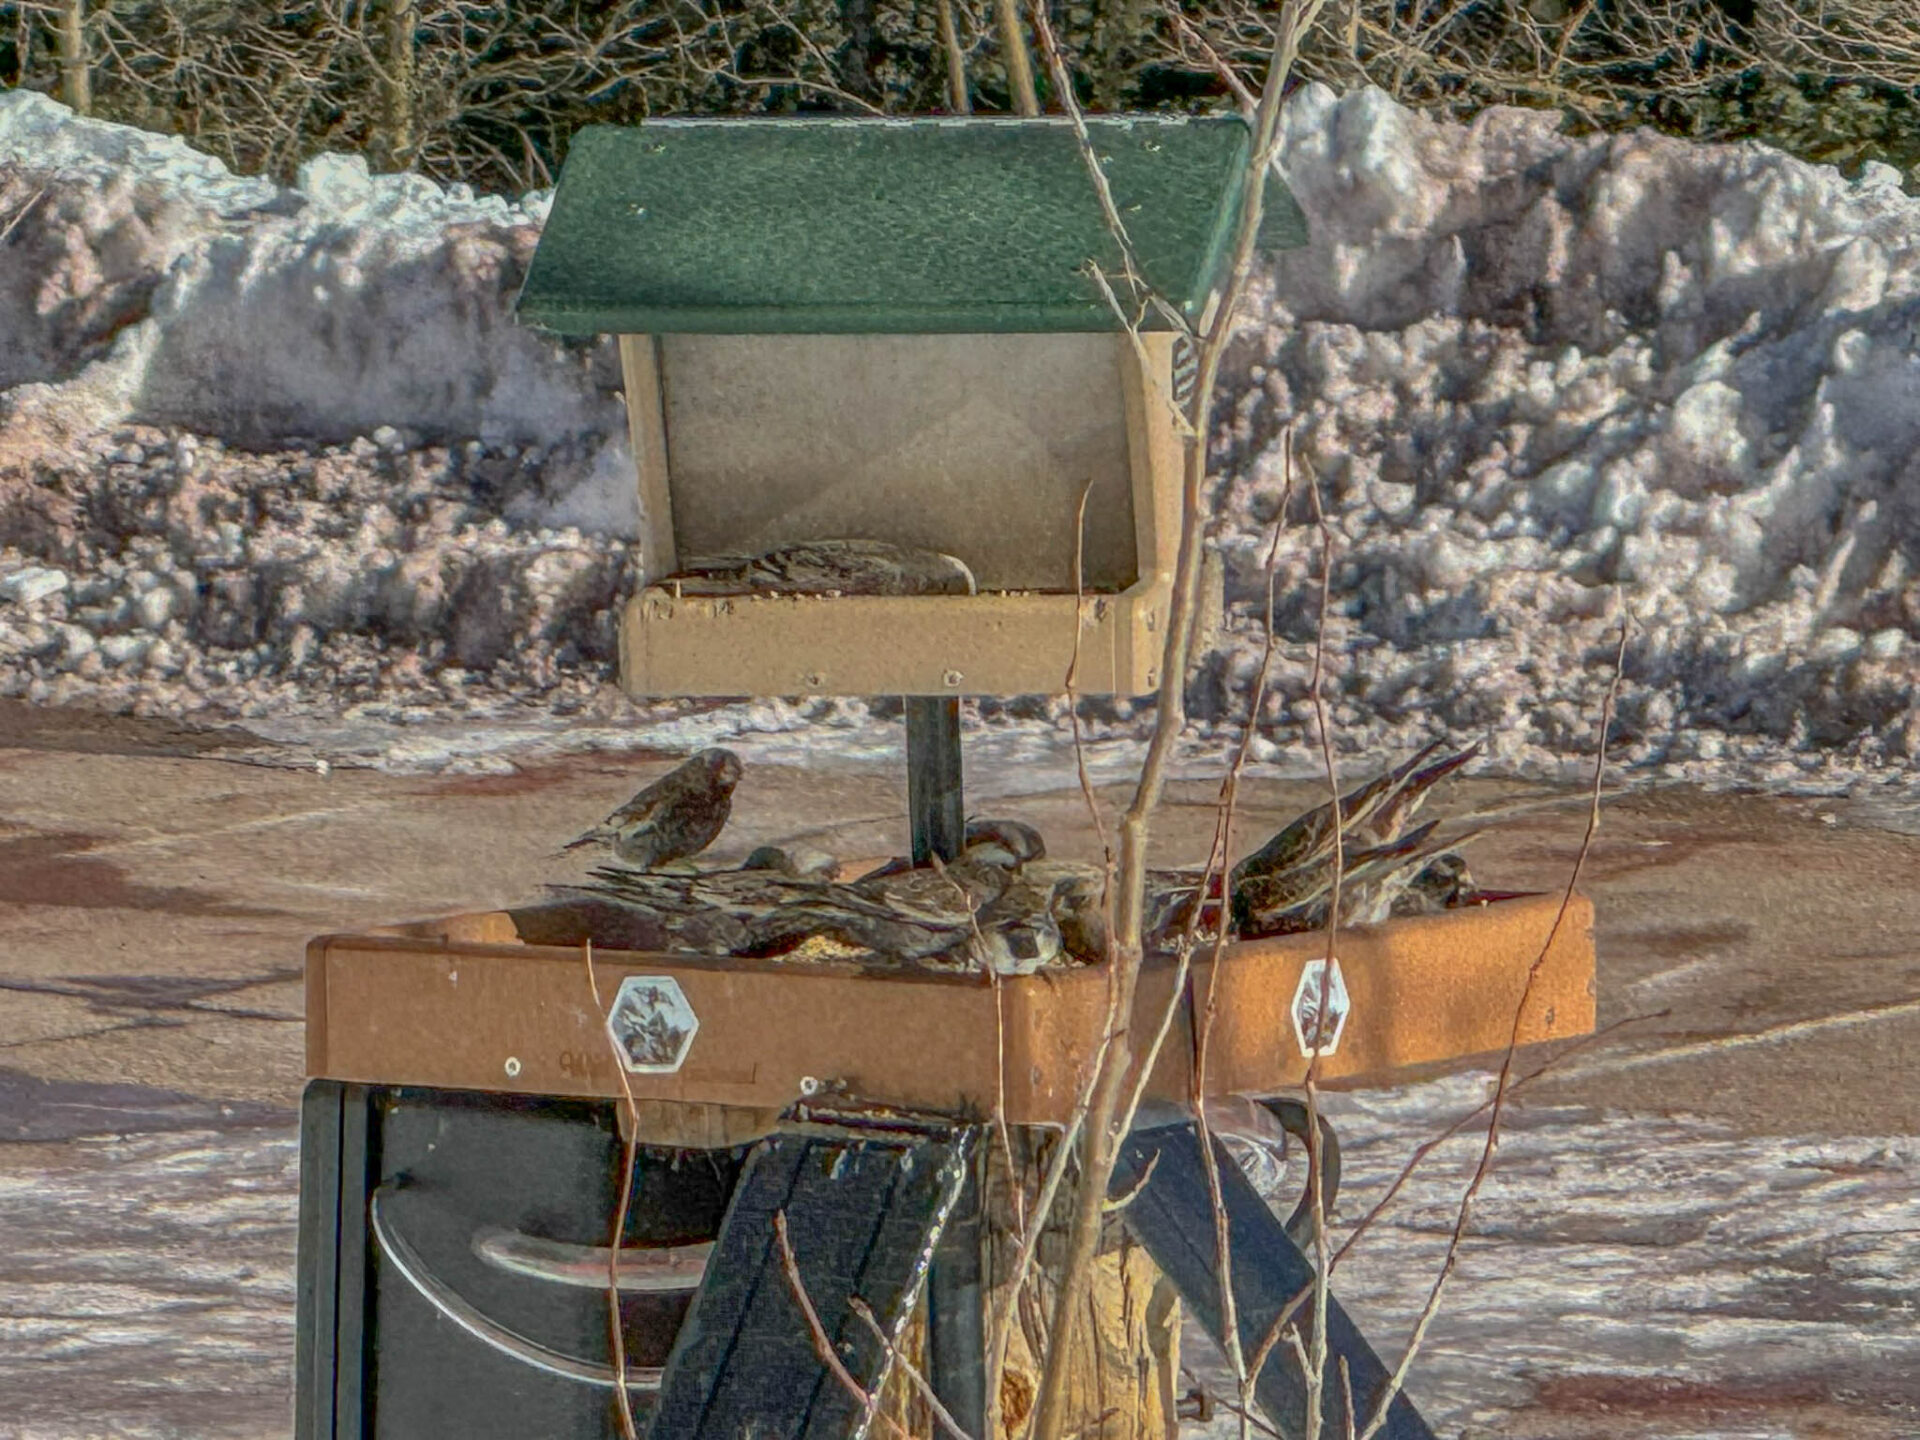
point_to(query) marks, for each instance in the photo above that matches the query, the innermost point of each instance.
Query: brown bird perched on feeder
(712, 912)
(942, 895)
(920, 912)
(1016, 837)
(1374, 814)
(1012, 842)
(1445, 884)
(1079, 904)
(801, 863)
(1371, 880)
(1017, 932)
(832, 567)
(678, 815)
(1284, 886)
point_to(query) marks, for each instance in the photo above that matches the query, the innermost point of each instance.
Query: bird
(675, 817)
(833, 567)
(941, 895)
(1013, 842)
(1017, 932)
(800, 863)
(1375, 812)
(1171, 897)
(1389, 819)
(1370, 880)
(1079, 904)
(1016, 837)
(769, 876)
(707, 911)
(1444, 884)
(913, 912)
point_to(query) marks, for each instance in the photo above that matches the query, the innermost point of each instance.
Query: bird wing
(947, 897)
(1308, 838)
(1404, 802)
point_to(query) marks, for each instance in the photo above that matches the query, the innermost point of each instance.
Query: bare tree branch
(616, 1330)
(1100, 1143)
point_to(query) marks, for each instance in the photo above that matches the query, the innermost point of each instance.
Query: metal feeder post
(934, 798)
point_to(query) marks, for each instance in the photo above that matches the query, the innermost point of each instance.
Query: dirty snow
(282, 455)
(146, 1287)
(1695, 1281)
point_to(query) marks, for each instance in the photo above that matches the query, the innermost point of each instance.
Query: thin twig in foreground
(868, 1400)
(1421, 1152)
(1101, 1140)
(864, 1313)
(1204, 1016)
(1221, 848)
(1033, 1224)
(1316, 1364)
(616, 1332)
(21, 214)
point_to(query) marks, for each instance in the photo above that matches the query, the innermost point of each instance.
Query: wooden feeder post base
(1123, 1350)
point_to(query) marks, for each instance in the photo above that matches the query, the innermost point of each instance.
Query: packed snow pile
(261, 443)
(1528, 369)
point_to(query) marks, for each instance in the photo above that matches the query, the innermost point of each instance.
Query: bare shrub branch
(616, 1331)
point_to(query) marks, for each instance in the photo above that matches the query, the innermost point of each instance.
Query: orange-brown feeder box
(518, 1017)
(888, 333)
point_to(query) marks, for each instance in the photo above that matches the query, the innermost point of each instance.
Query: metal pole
(934, 797)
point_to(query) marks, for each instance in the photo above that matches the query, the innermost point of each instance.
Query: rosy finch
(830, 567)
(678, 815)
(1375, 813)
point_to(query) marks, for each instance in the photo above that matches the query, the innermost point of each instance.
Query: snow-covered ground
(1699, 1283)
(284, 455)
(1653, 1266)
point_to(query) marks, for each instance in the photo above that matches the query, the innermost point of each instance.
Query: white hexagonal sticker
(652, 1024)
(1309, 1025)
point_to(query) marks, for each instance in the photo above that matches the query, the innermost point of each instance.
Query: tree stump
(1123, 1351)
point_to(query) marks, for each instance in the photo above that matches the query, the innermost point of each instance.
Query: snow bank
(1528, 370)
(150, 284)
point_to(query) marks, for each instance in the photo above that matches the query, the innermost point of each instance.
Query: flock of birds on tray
(1003, 905)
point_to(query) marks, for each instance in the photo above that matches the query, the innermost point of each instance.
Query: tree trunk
(76, 79)
(1123, 1347)
(396, 109)
(956, 61)
(1013, 46)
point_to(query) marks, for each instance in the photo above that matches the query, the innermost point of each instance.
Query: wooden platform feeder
(430, 1041)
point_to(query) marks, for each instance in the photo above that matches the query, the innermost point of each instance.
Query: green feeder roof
(815, 226)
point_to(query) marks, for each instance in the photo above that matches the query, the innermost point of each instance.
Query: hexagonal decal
(652, 1023)
(1308, 1023)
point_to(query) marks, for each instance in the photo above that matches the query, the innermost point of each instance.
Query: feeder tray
(507, 1015)
(460, 1150)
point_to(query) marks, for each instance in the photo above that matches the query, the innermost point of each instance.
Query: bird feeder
(882, 332)
(892, 330)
